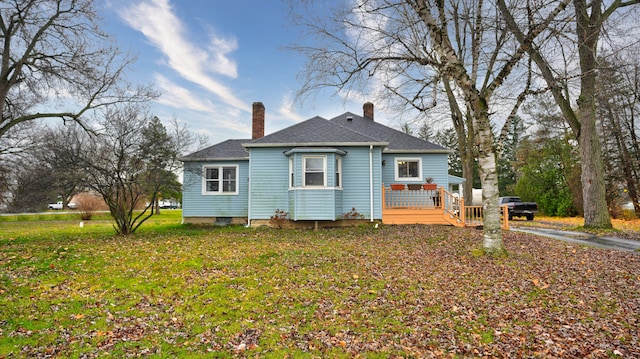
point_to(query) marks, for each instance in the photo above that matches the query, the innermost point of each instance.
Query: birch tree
(578, 30)
(412, 50)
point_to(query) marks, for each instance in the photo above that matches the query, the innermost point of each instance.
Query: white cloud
(286, 110)
(219, 48)
(156, 20)
(180, 97)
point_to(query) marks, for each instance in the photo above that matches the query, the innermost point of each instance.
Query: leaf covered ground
(395, 291)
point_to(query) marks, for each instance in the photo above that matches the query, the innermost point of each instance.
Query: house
(319, 172)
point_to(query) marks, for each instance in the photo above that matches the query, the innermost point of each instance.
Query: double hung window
(315, 169)
(338, 172)
(408, 169)
(220, 180)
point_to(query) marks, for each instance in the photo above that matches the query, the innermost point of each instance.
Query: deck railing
(412, 199)
(473, 216)
(452, 205)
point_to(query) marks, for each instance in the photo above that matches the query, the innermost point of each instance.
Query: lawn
(394, 291)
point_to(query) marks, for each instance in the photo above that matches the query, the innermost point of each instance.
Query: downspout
(249, 195)
(371, 182)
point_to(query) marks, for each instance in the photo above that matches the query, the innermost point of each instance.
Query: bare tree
(58, 150)
(16, 149)
(132, 161)
(588, 19)
(409, 51)
(57, 63)
(617, 107)
(115, 168)
(31, 189)
(45, 169)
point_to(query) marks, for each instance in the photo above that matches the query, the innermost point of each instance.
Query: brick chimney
(258, 120)
(367, 110)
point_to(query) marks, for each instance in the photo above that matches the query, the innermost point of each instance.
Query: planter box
(415, 186)
(429, 186)
(397, 186)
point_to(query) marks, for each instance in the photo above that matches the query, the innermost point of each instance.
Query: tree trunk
(596, 214)
(468, 159)
(157, 206)
(477, 103)
(588, 27)
(492, 241)
(465, 136)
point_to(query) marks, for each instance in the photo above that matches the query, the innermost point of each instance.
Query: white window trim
(220, 170)
(407, 159)
(304, 171)
(292, 174)
(339, 171)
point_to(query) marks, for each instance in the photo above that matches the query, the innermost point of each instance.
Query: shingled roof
(316, 131)
(398, 140)
(347, 129)
(229, 149)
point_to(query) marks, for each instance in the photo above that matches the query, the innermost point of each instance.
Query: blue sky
(212, 59)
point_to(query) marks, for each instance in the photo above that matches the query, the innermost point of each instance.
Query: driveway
(619, 244)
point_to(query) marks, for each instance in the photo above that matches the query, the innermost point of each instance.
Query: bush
(279, 219)
(88, 204)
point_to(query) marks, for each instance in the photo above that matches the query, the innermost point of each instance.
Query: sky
(211, 59)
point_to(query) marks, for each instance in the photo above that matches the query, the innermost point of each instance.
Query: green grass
(174, 290)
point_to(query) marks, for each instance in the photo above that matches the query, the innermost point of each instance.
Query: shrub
(88, 204)
(279, 219)
(353, 214)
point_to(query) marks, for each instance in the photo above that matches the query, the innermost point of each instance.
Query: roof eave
(417, 151)
(315, 144)
(210, 159)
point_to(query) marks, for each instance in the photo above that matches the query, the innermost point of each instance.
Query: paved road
(614, 243)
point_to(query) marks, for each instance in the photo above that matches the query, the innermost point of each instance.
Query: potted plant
(429, 185)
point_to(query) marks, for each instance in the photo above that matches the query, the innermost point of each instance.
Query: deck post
(462, 211)
(505, 216)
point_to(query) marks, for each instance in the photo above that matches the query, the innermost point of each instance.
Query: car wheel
(529, 217)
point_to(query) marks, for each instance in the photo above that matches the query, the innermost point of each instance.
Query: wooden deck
(419, 206)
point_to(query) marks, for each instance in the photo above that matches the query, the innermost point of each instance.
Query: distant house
(319, 172)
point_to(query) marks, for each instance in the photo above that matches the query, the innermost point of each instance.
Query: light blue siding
(433, 165)
(269, 175)
(355, 178)
(195, 204)
(337, 208)
(314, 204)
